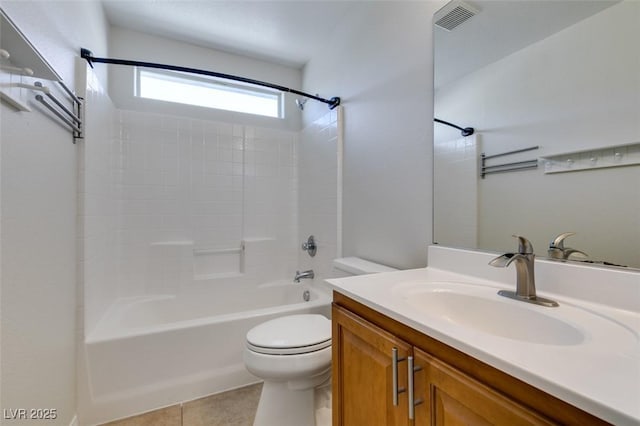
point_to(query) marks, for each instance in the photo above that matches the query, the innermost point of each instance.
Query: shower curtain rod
(88, 56)
(467, 131)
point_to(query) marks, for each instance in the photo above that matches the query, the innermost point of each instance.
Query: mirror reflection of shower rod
(88, 56)
(466, 131)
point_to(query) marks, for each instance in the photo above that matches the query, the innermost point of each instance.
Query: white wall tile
(317, 208)
(193, 180)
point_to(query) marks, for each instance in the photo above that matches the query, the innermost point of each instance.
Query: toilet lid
(293, 334)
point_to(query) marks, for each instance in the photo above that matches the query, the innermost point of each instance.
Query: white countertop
(600, 375)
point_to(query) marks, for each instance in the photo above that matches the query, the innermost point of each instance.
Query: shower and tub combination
(191, 233)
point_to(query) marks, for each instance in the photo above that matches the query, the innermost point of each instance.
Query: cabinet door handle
(394, 368)
(412, 402)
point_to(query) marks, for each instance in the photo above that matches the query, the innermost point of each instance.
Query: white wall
(381, 67)
(38, 221)
(128, 44)
(580, 91)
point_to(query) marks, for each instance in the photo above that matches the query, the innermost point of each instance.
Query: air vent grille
(458, 15)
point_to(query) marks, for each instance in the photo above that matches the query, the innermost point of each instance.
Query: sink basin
(498, 318)
(480, 308)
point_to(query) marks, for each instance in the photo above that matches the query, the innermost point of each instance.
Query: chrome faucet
(304, 274)
(557, 250)
(525, 278)
(310, 246)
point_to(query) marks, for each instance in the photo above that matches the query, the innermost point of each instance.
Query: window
(207, 92)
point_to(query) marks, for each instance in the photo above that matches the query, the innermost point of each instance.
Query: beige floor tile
(234, 408)
(170, 416)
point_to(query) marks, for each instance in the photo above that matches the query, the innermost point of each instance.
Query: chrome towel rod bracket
(507, 167)
(70, 117)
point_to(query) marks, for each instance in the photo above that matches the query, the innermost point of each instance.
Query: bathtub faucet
(304, 274)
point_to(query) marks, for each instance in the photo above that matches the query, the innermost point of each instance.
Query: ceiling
(289, 32)
(503, 27)
(285, 32)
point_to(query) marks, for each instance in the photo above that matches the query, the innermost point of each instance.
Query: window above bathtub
(207, 92)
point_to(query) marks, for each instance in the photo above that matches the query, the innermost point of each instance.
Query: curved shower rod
(88, 56)
(466, 131)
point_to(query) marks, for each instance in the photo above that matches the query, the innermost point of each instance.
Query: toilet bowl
(292, 354)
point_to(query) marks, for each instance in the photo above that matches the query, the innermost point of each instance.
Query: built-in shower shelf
(599, 158)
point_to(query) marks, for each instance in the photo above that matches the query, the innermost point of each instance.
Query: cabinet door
(452, 398)
(363, 373)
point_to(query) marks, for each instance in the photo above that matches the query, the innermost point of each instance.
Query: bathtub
(153, 351)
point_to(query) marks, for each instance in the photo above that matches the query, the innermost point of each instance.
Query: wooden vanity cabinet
(449, 387)
(363, 373)
(453, 398)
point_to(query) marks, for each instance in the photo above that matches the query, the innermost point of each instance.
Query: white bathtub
(150, 352)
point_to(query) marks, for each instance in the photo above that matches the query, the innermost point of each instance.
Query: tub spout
(305, 274)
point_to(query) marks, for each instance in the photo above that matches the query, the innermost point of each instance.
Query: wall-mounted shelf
(598, 158)
(21, 69)
(23, 53)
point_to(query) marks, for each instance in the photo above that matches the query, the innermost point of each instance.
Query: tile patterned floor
(233, 408)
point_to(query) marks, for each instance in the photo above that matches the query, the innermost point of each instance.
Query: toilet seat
(290, 335)
(289, 351)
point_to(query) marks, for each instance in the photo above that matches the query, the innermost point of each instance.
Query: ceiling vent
(454, 14)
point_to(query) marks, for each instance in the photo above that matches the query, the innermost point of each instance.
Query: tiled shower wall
(96, 206)
(319, 174)
(456, 169)
(203, 185)
(154, 187)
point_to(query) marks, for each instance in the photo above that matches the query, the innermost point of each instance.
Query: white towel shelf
(23, 54)
(598, 158)
(21, 65)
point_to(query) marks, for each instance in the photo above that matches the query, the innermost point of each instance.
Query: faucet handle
(558, 242)
(524, 245)
(310, 246)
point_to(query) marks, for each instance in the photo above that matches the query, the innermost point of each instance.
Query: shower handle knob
(310, 246)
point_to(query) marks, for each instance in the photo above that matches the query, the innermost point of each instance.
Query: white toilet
(292, 354)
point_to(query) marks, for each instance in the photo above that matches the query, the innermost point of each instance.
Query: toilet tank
(348, 266)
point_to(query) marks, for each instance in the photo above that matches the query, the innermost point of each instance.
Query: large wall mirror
(552, 89)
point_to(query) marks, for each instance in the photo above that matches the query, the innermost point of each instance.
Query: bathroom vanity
(448, 385)
(434, 346)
